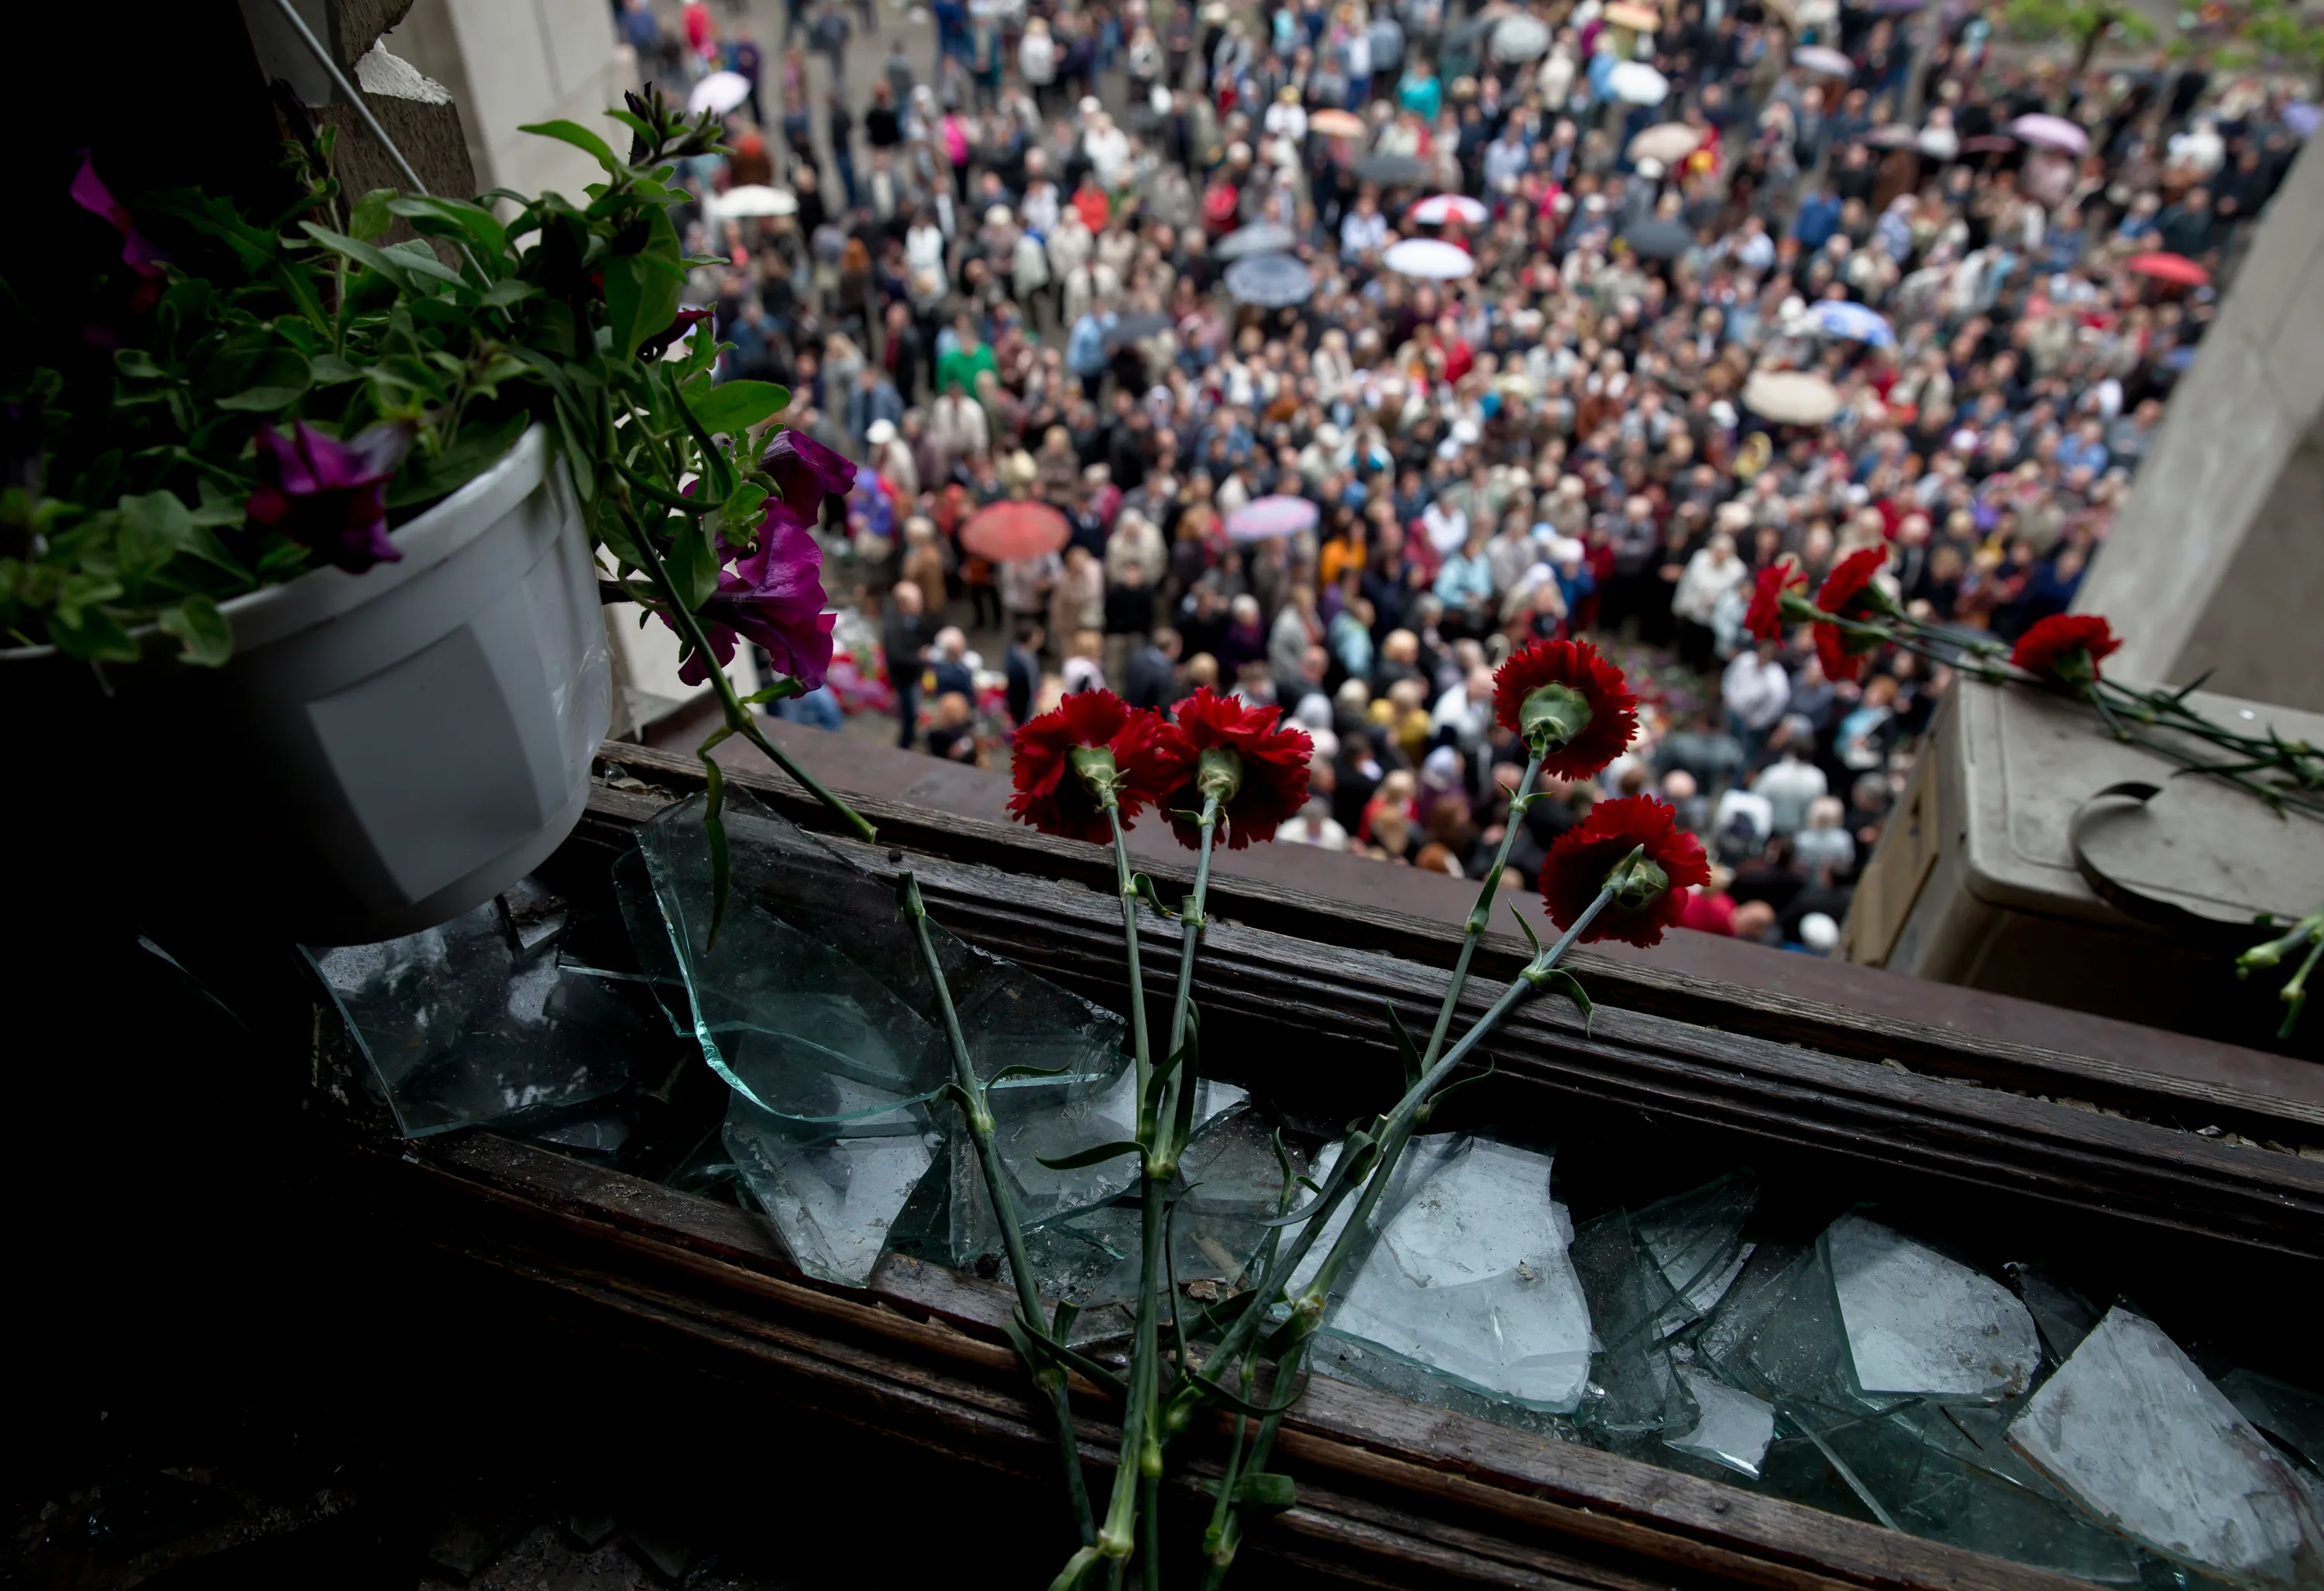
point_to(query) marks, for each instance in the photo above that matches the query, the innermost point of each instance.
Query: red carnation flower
(1583, 856)
(1849, 594)
(1765, 618)
(2048, 648)
(1051, 794)
(1270, 768)
(1613, 712)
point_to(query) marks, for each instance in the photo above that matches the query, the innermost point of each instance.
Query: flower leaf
(693, 563)
(204, 634)
(733, 407)
(1568, 985)
(579, 137)
(1405, 1050)
(371, 216)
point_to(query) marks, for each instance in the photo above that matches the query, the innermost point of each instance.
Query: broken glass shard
(816, 982)
(833, 1190)
(1777, 1336)
(2292, 1415)
(463, 1025)
(1229, 1184)
(1469, 1276)
(1697, 1240)
(1632, 1306)
(1917, 1322)
(1732, 1427)
(2062, 1316)
(1043, 1118)
(1974, 1490)
(1342, 1358)
(2140, 1437)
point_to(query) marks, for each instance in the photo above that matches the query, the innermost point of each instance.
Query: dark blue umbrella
(1270, 280)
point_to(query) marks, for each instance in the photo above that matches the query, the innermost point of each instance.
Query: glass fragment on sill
(816, 981)
(477, 1021)
(1469, 1275)
(1918, 1323)
(1696, 1237)
(1632, 1307)
(833, 1190)
(1229, 1184)
(1229, 1181)
(2062, 1316)
(1974, 1490)
(2293, 1416)
(1731, 1427)
(2142, 1439)
(1042, 1118)
(1777, 1336)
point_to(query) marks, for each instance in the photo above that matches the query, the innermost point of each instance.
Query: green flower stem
(1144, 1462)
(977, 1111)
(1140, 1045)
(1190, 932)
(739, 718)
(1308, 1308)
(1480, 915)
(2294, 994)
(1396, 1129)
(2160, 708)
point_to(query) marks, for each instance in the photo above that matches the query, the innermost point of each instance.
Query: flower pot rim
(273, 612)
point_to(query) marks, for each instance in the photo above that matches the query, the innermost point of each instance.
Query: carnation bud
(1637, 883)
(1552, 715)
(1218, 774)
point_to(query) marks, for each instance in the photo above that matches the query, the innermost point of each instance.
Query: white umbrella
(719, 93)
(1430, 257)
(752, 198)
(1634, 82)
(1438, 209)
(1668, 141)
(1791, 397)
(1823, 62)
(1520, 38)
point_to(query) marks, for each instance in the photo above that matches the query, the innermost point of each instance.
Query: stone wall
(2216, 561)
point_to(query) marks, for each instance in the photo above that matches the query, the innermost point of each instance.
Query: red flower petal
(1847, 592)
(1765, 618)
(1579, 667)
(2054, 639)
(1579, 863)
(1274, 767)
(1051, 795)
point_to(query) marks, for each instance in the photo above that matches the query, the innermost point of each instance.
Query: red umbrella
(1017, 528)
(2176, 268)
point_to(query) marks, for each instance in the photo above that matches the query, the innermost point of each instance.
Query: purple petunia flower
(804, 470)
(773, 596)
(327, 494)
(89, 192)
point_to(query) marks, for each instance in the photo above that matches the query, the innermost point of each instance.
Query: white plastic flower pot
(384, 750)
(427, 726)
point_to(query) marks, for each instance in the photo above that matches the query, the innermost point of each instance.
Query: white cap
(879, 433)
(998, 216)
(1818, 932)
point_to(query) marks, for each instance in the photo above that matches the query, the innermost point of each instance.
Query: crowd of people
(1002, 278)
